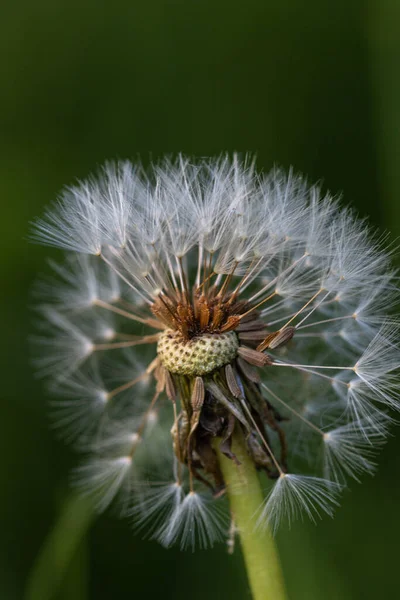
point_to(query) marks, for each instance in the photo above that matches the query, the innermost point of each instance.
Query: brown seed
(159, 374)
(277, 339)
(198, 394)
(169, 386)
(204, 316)
(232, 382)
(258, 359)
(252, 336)
(217, 316)
(255, 325)
(250, 373)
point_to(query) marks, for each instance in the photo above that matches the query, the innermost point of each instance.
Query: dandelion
(208, 322)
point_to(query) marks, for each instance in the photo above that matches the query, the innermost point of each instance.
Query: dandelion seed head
(199, 300)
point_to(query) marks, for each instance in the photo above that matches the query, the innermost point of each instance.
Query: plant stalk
(258, 547)
(64, 545)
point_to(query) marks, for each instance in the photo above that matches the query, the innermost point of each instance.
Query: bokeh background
(311, 84)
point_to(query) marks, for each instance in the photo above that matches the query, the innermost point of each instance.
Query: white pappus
(201, 300)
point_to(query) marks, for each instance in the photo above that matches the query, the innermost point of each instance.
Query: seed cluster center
(199, 355)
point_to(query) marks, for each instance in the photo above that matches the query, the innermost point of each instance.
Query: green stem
(57, 554)
(258, 547)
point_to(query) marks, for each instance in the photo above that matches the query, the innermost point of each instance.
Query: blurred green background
(311, 84)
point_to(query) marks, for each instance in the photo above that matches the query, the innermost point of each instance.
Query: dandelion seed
(294, 494)
(201, 301)
(349, 450)
(193, 522)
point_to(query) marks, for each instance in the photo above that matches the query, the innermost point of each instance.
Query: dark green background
(311, 84)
